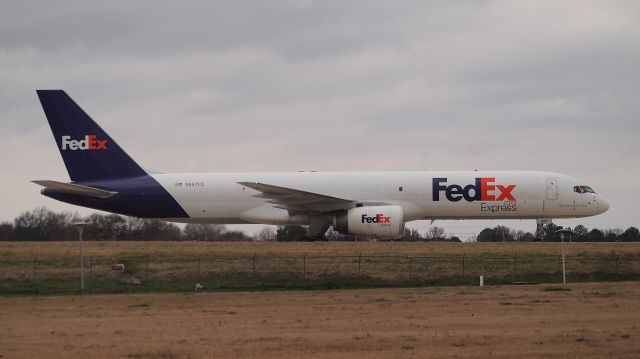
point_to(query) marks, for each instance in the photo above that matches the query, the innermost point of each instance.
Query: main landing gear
(540, 223)
(318, 226)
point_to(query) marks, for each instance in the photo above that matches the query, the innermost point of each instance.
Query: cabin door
(552, 188)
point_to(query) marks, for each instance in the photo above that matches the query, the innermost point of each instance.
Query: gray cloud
(238, 86)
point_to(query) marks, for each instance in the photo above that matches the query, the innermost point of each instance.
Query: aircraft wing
(296, 201)
(76, 189)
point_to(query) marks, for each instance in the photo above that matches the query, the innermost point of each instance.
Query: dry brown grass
(536, 261)
(27, 250)
(587, 321)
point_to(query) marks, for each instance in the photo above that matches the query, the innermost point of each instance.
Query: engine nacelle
(373, 221)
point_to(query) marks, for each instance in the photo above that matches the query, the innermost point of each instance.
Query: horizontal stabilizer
(76, 189)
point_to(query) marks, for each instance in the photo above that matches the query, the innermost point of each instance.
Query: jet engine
(372, 221)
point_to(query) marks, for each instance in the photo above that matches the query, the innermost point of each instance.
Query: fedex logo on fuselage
(90, 142)
(378, 218)
(484, 189)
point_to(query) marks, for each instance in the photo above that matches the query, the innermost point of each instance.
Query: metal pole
(515, 267)
(359, 263)
(410, 265)
(80, 228)
(564, 268)
(463, 267)
(254, 270)
(304, 264)
(146, 269)
(33, 275)
(562, 233)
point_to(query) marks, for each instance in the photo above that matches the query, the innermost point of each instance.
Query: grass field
(193, 249)
(586, 320)
(52, 267)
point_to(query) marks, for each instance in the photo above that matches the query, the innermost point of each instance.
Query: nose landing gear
(540, 223)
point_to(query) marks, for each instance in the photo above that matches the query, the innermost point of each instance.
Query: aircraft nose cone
(603, 205)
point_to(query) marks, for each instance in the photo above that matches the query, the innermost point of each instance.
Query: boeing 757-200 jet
(371, 204)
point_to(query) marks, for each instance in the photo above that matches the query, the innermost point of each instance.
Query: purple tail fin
(88, 152)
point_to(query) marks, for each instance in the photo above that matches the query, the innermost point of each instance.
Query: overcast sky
(332, 85)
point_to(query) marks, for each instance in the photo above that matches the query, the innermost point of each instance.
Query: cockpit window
(583, 189)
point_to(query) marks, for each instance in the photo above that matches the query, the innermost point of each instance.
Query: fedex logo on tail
(90, 142)
(484, 189)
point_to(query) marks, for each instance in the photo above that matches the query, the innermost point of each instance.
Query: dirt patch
(590, 320)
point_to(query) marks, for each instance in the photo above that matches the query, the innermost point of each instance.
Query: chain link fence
(175, 274)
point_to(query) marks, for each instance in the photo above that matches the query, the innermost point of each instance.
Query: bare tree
(412, 235)
(42, 224)
(503, 234)
(203, 232)
(435, 233)
(266, 234)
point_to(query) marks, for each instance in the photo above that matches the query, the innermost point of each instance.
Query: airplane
(370, 204)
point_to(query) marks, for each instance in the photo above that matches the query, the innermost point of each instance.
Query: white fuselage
(218, 198)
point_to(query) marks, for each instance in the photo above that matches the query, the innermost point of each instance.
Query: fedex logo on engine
(90, 142)
(484, 189)
(378, 218)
